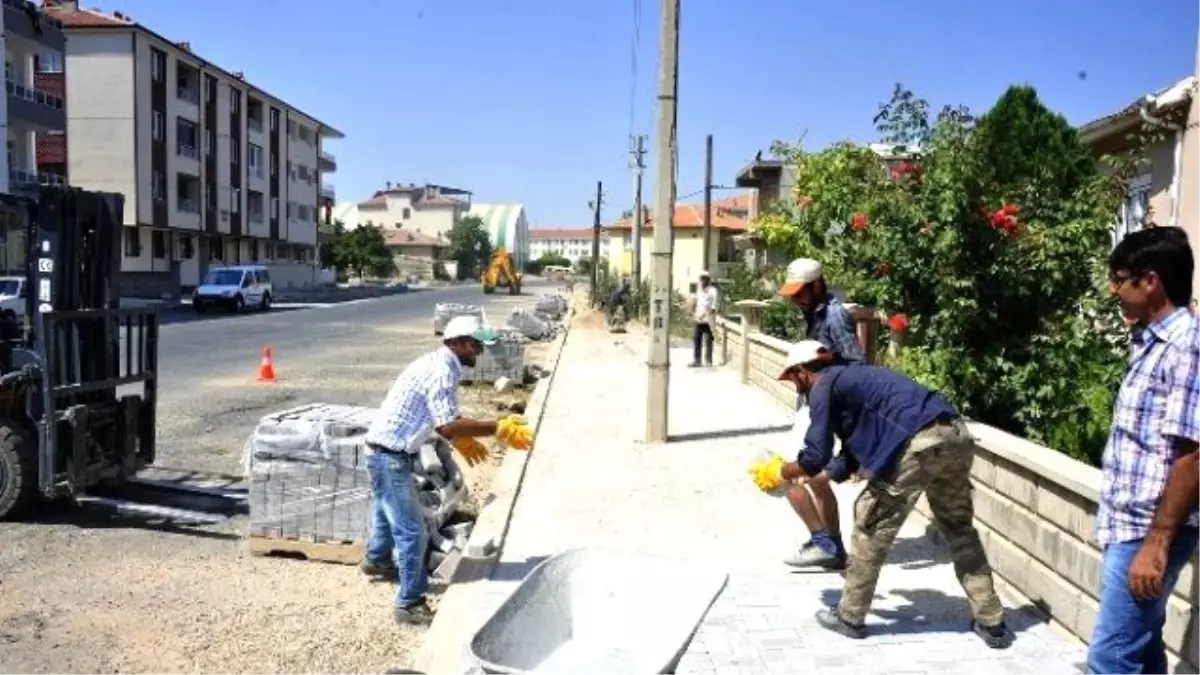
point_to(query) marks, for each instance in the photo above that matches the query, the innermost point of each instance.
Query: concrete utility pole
(639, 153)
(664, 225)
(596, 240)
(708, 186)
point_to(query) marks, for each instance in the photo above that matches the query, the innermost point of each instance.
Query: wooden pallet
(341, 553)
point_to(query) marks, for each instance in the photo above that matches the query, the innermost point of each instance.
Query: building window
(216, 248)
(210, 140)
(274, 208)
(274, 163)
(253, 250)
(158, 65)
(158, 244)
(186, 139)
(159, 188)
(235, 200)
(1135, 210)
(406, 213)
(133, 242)
(274, 119)
(255, 155)
(235, 151)
(235, 101)
(158, 127)
(48, 62)
(210, 89)
(187, 247)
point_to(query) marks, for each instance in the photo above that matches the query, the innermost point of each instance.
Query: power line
(635, 47)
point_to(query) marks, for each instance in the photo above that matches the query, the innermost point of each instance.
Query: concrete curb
(487, 538)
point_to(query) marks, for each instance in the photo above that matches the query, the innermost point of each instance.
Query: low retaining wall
(1034, 508)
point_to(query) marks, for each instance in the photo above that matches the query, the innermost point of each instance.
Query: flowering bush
(985, 241)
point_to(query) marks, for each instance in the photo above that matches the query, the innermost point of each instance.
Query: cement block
(1085, 618)
(1016, 483)
(1188, 586)
(1069, 511)
(1076, 561)
(1006, 557)
(1004, 515)
(1181, 620)
(983, 469)
(1058, 596)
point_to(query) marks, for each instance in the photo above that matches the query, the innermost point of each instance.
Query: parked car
(12, 296)
(234, 288)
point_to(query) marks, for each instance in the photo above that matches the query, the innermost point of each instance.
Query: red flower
(998, 219)
(859, 222)
(805, 200)
(1011, 209)
(898, 323)
(883, 269)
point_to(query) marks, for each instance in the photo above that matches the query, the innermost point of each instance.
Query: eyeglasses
(1118, 279)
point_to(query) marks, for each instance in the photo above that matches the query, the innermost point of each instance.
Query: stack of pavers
(307, 469)
(505, 358)
(531, 325)
(444, 311)
(551, 307)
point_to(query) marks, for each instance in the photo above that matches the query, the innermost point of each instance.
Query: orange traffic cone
(266, 371)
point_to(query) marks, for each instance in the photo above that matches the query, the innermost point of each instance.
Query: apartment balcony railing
(34, 95)
(189, 206)
(185, 150)
(327, 161)
(327, 191)
(257, 171)
(255, 125)
(257, 216)
(188, 94)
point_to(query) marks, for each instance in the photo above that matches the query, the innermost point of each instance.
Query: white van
(12, 295)
(234, 288)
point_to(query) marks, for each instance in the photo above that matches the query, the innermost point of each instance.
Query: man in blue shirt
(907, 440)
(829, 323)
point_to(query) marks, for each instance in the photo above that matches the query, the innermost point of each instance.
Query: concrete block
(1068, 510)
(1008, 517)
(1006, 558)
(1085, 618)
(1059, 597)
(1181, 621)
(1076, 561)
(503, 384)
(1016, 483)
(1188, 586)
(983, 469)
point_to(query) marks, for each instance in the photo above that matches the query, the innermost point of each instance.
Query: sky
(533, 101)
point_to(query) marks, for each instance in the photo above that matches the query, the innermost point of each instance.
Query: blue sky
(530, 100)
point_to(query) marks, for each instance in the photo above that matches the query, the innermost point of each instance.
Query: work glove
(472, 450)
(514, 432)
(767, 474)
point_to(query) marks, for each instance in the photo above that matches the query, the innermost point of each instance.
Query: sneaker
(416, 614)
(379, 570)
(694, 364)
(829, 619)
(996, 637)
(810, 555)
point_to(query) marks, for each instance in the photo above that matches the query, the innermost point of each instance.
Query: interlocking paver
(591, 482)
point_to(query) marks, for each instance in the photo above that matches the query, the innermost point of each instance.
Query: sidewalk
(591, 482)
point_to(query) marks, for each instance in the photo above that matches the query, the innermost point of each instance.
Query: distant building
(430, 210)
(571, 243)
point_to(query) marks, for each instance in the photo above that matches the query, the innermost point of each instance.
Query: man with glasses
(423, 400)
(1147, 520)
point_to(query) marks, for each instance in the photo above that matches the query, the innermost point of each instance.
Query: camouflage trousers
(937, 461)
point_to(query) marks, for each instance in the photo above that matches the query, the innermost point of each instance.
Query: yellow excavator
(501, 272)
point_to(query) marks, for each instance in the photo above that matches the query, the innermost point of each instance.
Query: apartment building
(215, 171)
(33, 111)
(571, 243)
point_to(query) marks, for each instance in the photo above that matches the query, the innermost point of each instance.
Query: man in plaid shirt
(1147, 520)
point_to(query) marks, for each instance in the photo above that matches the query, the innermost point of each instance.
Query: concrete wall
(687, 262)
(1034, 508)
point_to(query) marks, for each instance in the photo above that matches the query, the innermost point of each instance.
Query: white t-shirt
(706, 304)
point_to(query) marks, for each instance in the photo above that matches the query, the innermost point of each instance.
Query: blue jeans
(1128, 634)
(397, 524)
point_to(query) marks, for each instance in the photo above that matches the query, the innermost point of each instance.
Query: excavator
(501, 272)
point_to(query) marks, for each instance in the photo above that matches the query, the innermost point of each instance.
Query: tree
(359, 250)
(470, 246)
(986, 239)
(550, 259)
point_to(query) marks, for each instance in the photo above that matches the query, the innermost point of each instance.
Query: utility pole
(639, 164)
(708, 186)
(596, 240)
(657, 396)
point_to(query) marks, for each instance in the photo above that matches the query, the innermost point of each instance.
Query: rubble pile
(444, 311)
(531, 325)
(551, 307)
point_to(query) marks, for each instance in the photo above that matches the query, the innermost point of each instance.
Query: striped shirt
(1158, 404)
(423, 398)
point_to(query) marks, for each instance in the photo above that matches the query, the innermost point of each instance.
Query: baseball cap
(803, 353)
(800, 272)
(468, 326)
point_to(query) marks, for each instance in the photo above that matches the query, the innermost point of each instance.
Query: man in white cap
(908, 440)
(705, 314)
(829, 323)
(423, 400)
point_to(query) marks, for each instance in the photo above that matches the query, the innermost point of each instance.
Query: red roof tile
(545, 233)
(727, 214)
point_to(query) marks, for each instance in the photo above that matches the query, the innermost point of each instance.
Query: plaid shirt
(831, 325)
(1159, 403)
(423, 397)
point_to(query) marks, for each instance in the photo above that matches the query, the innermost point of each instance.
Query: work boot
(694, 364)
(810, 555)
(416, 614)
(830, 619)
(379, 570)
(996, 637)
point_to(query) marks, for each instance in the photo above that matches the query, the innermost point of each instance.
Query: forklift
(78, 373)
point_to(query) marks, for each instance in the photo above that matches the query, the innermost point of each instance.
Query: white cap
(800, 272)
(468, 326)
(803, 353)
(705, 274)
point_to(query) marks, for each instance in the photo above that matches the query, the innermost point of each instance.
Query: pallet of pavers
(310, 491)
(444, 311)
(505, 358)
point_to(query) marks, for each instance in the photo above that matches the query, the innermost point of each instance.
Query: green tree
(550, 259)
(469, 246)
(359, 250)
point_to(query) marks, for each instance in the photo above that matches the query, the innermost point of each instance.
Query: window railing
(20, 177)
(254, 124)
(34, 95)
(189, 94)
(185, 150)
(189, 206)
(256, 171)
(52, 179)
(257, 216)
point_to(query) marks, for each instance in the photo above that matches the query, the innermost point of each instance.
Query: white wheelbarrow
(591, 611)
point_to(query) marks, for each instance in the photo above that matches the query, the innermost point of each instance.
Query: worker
(828, 322)
(423, 400)
(619, 300)
(705, 314)
(908, 440)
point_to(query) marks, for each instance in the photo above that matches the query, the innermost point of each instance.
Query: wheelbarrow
(594, 611)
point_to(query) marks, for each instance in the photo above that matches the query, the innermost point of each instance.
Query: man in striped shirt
(1147, 520)
(423, 400)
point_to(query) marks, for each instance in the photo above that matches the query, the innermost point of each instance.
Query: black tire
(18, 468)
(239, 304)
(265, 305)
(200, 309)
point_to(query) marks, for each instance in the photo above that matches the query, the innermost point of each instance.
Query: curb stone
(487, 537)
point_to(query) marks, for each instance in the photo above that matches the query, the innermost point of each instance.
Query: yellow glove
(472, 450)
(767, 474)
(514, 432)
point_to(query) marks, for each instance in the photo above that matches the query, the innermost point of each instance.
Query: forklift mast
(74, 260)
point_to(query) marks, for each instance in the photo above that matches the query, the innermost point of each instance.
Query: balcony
(327, 162)
(188, 206)
(189, 151)
(20, 180)
(36, 107)
(328, 192)
(26, 20)
(255, 125)
(189, 94)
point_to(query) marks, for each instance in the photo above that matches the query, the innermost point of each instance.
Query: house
(214, 169)
(572, 243)
(507, 228)
(431, 210)
(730, 218)
(414, 253)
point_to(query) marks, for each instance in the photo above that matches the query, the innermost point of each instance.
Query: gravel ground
(85, 592)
